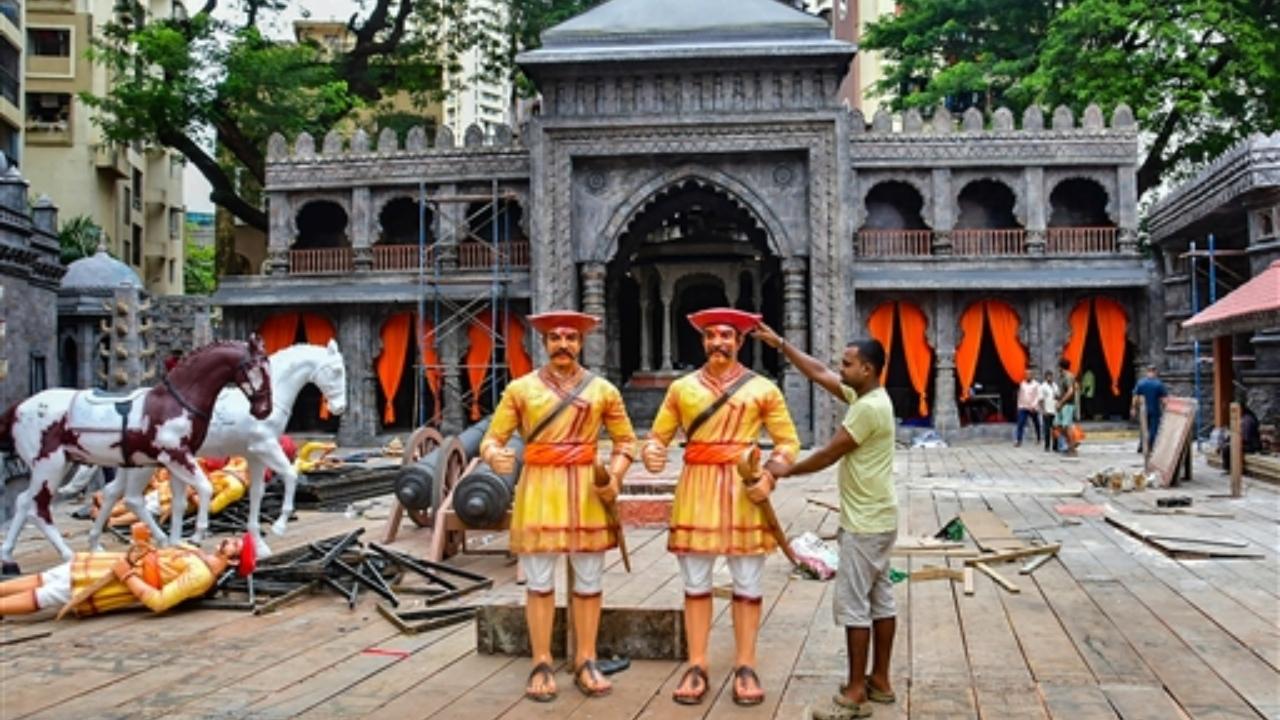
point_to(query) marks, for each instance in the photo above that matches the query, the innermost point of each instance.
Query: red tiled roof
(1252, 306)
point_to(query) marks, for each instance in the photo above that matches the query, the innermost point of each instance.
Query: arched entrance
(1100, 355)
(693, 244)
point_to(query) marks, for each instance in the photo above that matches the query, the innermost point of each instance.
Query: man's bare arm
(808, 365)
(841, 444)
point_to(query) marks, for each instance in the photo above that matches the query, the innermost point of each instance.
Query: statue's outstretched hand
(759, 491)
(501, 459)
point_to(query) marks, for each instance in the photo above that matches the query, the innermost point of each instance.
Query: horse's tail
(6, 428)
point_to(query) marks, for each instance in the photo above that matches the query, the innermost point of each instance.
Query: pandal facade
(690, 154)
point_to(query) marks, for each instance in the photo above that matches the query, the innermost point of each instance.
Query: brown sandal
(743, 672)
(594, 673)
(544, 670)
(699, 674)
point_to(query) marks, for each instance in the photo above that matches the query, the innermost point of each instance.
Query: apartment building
(133, 193)
(849, 19)
(12, 45)
(474, 98)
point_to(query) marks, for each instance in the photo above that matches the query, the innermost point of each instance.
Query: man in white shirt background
(1048, 405)
(1028, 407)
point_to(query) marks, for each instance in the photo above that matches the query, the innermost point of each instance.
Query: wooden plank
(999, 579)
(1076, 702)
(1141, 702)
(989, 532)
(1014, 554)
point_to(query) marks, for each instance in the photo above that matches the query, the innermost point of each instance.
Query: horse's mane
(206, 349)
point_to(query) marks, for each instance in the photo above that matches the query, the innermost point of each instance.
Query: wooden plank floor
(1111, 628)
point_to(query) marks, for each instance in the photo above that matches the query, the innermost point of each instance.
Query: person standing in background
(1048, 404)
(1028, 407)
(1153, 392)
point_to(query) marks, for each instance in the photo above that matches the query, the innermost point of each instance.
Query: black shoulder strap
(719, 402)
(565, 402)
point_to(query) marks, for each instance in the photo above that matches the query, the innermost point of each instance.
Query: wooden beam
(1014, 554)
(1237, 453)
(1001, 580)
(968, 580)
(1223, 377)
(1031, 566)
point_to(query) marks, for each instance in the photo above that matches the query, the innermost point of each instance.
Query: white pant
(540, 571)
(55, 587)
(746, 570)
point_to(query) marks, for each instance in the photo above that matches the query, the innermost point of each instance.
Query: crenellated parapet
(1037, 138)
(342, 161)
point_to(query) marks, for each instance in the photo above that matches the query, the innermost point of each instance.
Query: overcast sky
(196, 188)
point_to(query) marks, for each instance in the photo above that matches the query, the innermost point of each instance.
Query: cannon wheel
(454, 466)
(422, 441)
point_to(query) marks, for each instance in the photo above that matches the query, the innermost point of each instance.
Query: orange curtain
(880, 324)
(971, 324)
(1113, 323)
(1003, 321)
(279, 330)
(432, 371)
(478, 355)
(1073, 353)
(918, 353)
(390, 364)
(319, 332)
(519, 363)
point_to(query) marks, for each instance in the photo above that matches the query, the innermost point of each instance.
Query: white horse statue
(234, 431)
(161, 425)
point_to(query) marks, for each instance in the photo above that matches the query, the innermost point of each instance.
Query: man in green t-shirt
(863, 446)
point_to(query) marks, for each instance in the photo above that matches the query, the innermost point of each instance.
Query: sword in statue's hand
(750, 470)
(611, 509)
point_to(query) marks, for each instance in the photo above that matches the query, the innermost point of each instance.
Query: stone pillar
(454, 417)
(646, 330)
(1037, 210)
(1127, 209)
(592, 275)
(946, 416)
(667, 291)
(757, 301)
(280, 233)
(794, 321)
(451, 226)
(362, 227)
(359, 339)
(943, 211)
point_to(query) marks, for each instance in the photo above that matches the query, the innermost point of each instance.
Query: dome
(99, 271)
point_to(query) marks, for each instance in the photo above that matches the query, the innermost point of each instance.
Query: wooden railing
(480, 256)
(988, 241)
(895, 243)
(1080, 240)
(400, 258)
(322, 261)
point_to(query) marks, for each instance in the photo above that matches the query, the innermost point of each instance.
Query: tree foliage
(198, 275)
(1198, 74)
(79, 237)
(182, 81)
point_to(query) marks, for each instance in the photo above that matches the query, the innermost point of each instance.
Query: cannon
(482, 497)
(431, 465)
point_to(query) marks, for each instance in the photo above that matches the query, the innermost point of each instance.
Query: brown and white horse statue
(161, 425)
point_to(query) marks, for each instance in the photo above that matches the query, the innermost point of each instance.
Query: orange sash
(709, 453)
(568, 453)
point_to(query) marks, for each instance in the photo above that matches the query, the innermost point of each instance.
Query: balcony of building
(48, 119)
(987, 226)
(51, 7)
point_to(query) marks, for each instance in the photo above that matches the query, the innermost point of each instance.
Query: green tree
(1198, 74)
(183, 81)
(78, 237)
(525, 22)
(198, 276)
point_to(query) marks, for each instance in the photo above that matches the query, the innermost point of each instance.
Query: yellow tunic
(556, 510)
(183, 576)
(229, 485)
(711, 512)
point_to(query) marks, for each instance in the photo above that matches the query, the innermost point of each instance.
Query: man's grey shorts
(863, 591)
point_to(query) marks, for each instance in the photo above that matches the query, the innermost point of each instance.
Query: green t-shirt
(868, 503)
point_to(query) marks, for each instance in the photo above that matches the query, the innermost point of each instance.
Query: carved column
(794, 322)
(453, 419)
(946, 416)
(646, 330)
(943, 211)
(280, 233)
(359, 340)
(450, 227)
(667, 291)
(591, 275)
(1127, 189)
(362, 228)
(1036, 210)
(757, 300)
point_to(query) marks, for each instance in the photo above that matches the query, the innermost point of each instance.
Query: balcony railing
(481, 256)
(1080, 241)
(988, 241)
(400, 258)
(894, 243)
(323, 261)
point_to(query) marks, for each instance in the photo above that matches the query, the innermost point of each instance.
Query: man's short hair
(870, 350)
(1064, 364)
(1152, 369)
